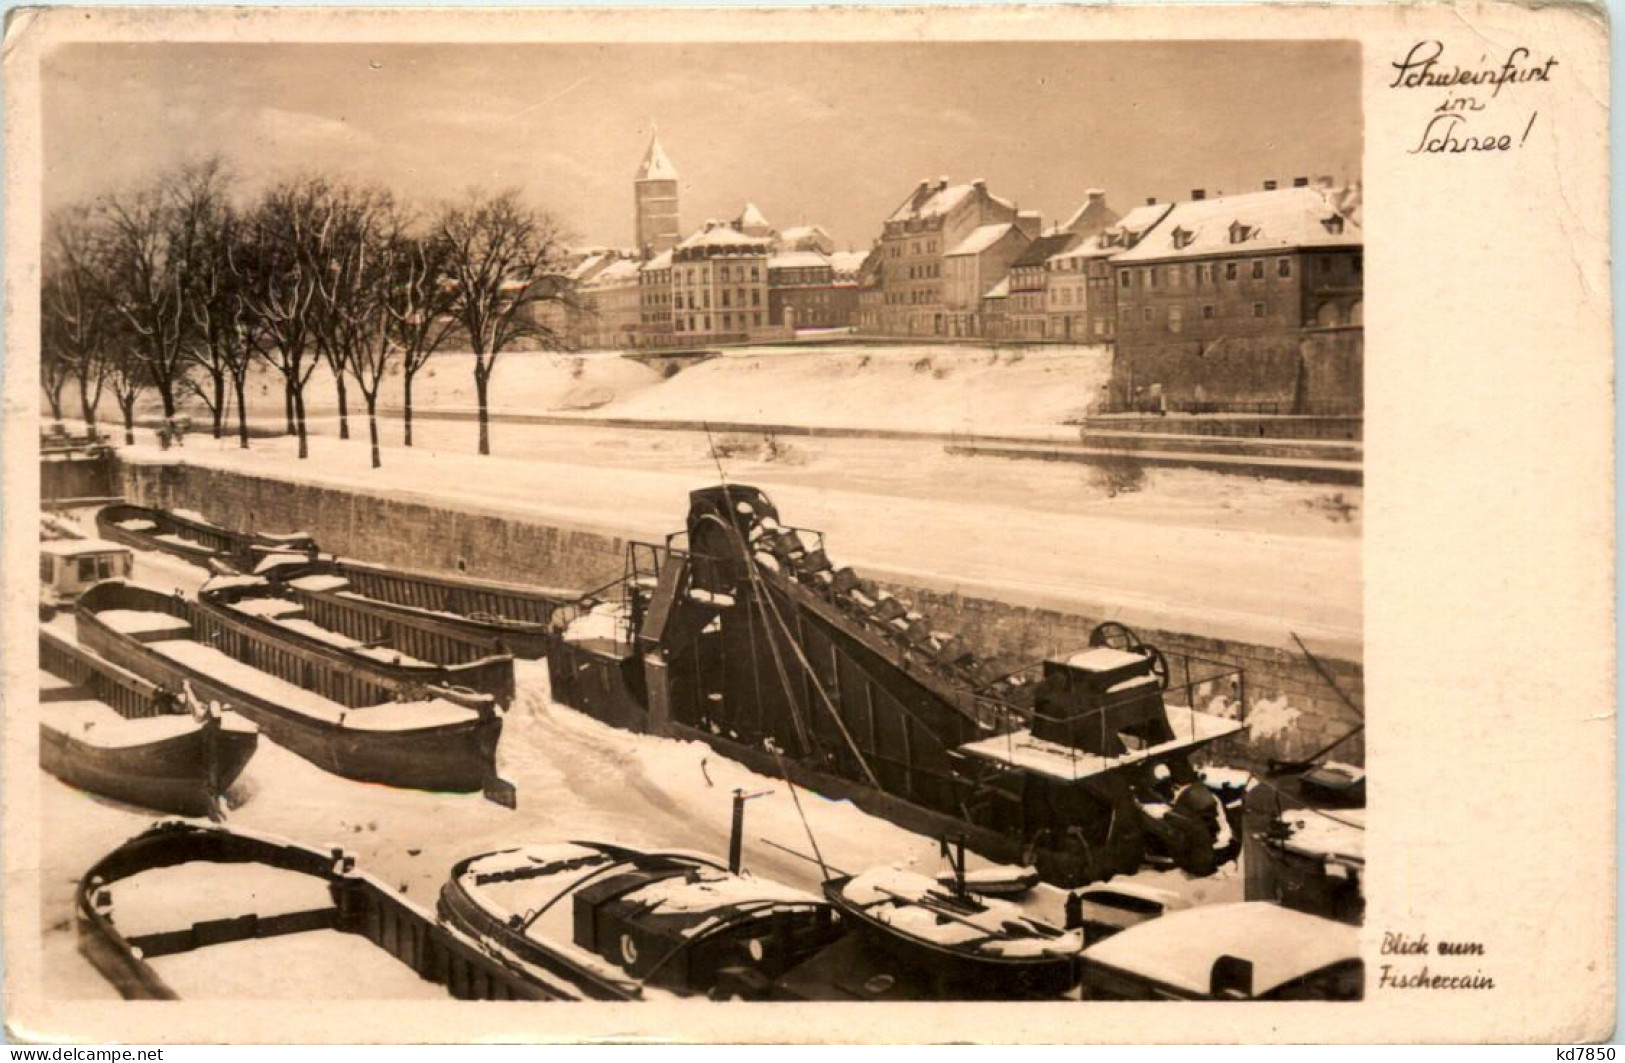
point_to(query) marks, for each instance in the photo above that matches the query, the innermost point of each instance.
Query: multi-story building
(654, 299)
(1029, 290)
(719, 286)
(654, 194)
(977, 263)
(935, 219)
(804, 291)
(1082, 297)
(1219, 297)
(609, 308)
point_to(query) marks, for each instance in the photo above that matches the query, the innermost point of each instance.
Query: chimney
(1094, 195)
(1325, 181)
(1198, 194)
(942, 182)
(1151, 201)
(1269, 186)
(980, 184)
(1300, 182)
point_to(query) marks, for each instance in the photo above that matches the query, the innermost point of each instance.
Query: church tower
(656, 196)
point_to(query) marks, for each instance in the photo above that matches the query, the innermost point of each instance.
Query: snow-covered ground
(984, 390)
(1230, 557)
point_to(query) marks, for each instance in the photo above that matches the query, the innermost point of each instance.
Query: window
(1283, 267)
(755, 273)
(1229, 271)
(725, 301)
(87, 569)
(1124, 313)
(1258, 309)
(1127, 282)
(1147, 314)
(1207, 312)
(1258, 269)
(1176, 318)
(1151, 277)
(756, 297)
(756, 318)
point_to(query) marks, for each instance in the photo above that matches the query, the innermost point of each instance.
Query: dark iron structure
(741, 632)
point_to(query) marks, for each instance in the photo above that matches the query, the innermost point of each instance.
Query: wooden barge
(506, 617)
(400, 650)
(318, 894)
(110, 732)
(741, 632)
(614, 923)
(369, 724)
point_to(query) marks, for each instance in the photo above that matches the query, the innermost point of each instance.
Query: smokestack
(1198, 194)
(1269, 186)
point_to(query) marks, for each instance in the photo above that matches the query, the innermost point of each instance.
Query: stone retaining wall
(1292, 709)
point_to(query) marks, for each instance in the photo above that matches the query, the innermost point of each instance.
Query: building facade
(719, 287)
(1029, 286)
(1216, 302)
(979, 262)
(935, 219)
(1082, 298)
(655, 301)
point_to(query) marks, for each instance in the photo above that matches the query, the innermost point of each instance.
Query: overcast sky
(832, 134)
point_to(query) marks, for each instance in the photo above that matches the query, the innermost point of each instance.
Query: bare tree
(152, 236)
(223, 326)
(353, 260)
(279, 289)
(75, 315)
(503, 259)
(421, 306)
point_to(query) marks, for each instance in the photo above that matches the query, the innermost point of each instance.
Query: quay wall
(1293, 710)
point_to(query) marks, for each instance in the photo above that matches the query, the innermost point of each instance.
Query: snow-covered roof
(1091, 198)
(1022, 749)
(752, 218)
(660, 261)
(797, 260)
(1041, 249)
(981, 238)
(656, 164)
(1255, 221)
(621, 271)
(847, 263)
(725, 236)
(1000, 290)
(929, 200)
(77, 547)
(1112, 239)
(1179, 949)
(805, 237)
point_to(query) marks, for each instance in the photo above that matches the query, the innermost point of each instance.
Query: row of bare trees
(179, 290)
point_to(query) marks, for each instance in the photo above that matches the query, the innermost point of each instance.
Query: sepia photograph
(686, 519)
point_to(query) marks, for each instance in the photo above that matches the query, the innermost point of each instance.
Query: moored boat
(962, 945)
(112, 733)
(620, 924)
(349, 721)
(402, 650)
(510, 618)
(184, 910)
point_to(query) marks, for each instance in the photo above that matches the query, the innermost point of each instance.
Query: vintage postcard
(595, 524)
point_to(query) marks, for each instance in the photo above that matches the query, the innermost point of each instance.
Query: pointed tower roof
(656, 165)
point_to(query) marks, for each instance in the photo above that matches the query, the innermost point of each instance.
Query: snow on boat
(110, 732)
(505, 617)
(611, 923)
(377, 641)
(1251, 950)
(184, 910)
(189, 536)
(994, 881)
(970, 947)
(361, 724)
